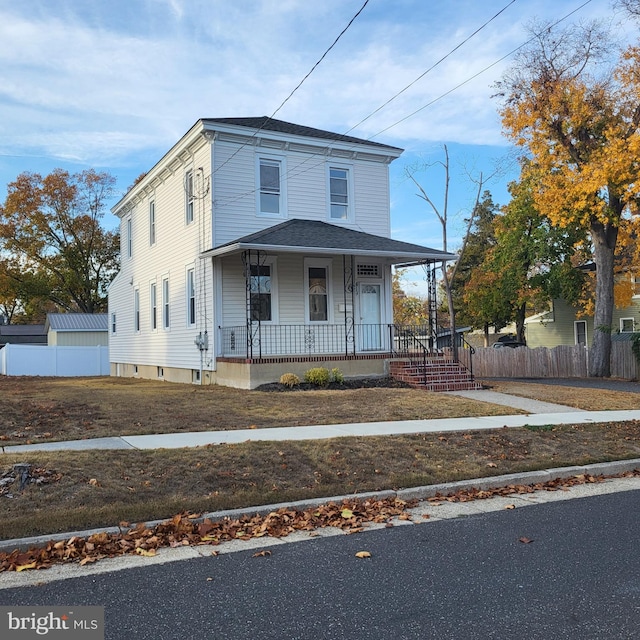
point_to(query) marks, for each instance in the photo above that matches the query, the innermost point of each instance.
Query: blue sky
(112, 85)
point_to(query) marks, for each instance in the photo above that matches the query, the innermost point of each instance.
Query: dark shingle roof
(299, 235)
(269, 124)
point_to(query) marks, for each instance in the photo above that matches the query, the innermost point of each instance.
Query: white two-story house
(256, 247)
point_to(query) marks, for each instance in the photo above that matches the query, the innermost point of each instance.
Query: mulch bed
(351, 383)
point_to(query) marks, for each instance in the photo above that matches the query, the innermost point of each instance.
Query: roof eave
(395, 257)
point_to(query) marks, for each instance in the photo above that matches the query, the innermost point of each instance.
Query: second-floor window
(188, 195)
(152, 222)
(269, 174)
(339, 193)
(191, 297)
(129, 238)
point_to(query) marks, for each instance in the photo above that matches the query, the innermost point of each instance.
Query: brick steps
(439, 374)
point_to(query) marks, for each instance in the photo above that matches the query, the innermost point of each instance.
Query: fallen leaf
(363, 554)
(525, 540)
(346, 513)
(510, 506)
(22, 567)
(491, 464)
(261, 554)
(94, 483)
(147, 553)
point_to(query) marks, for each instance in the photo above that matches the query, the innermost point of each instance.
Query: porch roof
(317, 237)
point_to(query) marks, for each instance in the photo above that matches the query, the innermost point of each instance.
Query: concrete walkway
(542, 413)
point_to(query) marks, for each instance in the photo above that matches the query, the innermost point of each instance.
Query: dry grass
(46, 409)
(106, 487)
(102, 488)
(581, 398)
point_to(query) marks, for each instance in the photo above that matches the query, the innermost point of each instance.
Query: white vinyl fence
(36, 360)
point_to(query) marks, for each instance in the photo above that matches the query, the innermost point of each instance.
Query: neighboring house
(77, 329)
(563, 325)
(22, 334)
(256, 247)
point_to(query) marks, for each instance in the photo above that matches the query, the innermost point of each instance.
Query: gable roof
(264, 123)
(314, 236)
(77, 322)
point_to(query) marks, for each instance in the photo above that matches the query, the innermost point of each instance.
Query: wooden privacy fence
(559, 362)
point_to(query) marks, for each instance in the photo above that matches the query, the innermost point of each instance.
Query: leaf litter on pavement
(189, 529)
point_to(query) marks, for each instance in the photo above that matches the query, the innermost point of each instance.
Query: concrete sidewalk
(542, 413)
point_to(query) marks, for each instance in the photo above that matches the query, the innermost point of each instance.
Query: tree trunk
(452, 314)
(604, 238)
(520, 317)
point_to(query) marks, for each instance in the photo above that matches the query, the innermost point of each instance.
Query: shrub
(318, 376)
(337, 376)
(289, 380)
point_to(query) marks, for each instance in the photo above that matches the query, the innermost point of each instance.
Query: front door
(370, 329)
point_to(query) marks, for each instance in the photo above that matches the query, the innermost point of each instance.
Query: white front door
(370, 329)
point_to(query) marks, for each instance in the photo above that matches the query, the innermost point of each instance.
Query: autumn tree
(407, 309)
(579, 122)
(51, 226)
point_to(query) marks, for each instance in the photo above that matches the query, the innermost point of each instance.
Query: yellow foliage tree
(581, 131)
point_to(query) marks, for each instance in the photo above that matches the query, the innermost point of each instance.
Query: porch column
(348, 271)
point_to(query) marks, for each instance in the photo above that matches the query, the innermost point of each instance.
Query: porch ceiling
(322, 238)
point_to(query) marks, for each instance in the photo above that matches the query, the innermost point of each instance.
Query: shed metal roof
(77, 322)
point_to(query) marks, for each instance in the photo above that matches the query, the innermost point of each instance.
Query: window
(339, 193)
(129, 238)
(580, 331)
(136, 310)
(165, 303)
(270, 187)
(152, 222)
(260, 286)
(627, 325)
(153, 304)
(113, 323)
(317, 286)
(188, 191)
(191, 297)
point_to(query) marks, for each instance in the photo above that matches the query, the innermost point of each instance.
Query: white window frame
(153, 306)
(152, 222)
(136, 310)
(575, 332)
(321, 263)
(282, 199)
(189, 200)
(166, 304)
(190, 290)
(633, 325)
(272, 262)
(350, 205)
(129, 225)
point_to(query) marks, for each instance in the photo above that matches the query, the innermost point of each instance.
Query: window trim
(190, 294)
(282, 201)
(166, 304)
(633, 325)
(152, 222)
(575, 332)
(271, 262)
(189, 199)
(129, 225)
(136, 309)
(324, 263)
(153, 305)
(350, 191)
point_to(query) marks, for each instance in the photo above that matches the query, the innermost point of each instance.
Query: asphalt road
(466, 578)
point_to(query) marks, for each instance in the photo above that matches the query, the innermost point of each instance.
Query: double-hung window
(165, 303)
(129, 238)
(191, 297)
(152, 222)
(153, 304)
(113, 322)
(317, 279)
(189, 199)
(339, 192)
(261, 287)
(136, 310)
(270, 200)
